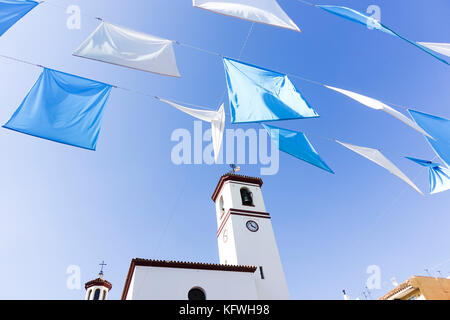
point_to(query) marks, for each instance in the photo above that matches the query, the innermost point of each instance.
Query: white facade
(245, 238)
(157, 283)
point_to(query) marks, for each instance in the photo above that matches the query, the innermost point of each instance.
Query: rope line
(220, 55)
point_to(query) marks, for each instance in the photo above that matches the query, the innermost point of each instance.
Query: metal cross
(102, 264)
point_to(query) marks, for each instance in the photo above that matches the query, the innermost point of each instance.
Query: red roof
(234, 177)
(98, 282)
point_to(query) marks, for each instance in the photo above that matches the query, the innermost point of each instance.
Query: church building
(250, 266)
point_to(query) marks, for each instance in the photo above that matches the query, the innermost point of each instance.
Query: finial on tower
(101, 270)
(234, 168)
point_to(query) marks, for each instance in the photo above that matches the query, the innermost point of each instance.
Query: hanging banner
(439, 129)
(439, 176)
(260, 11)
(297, 145)
(376, 156)
(258, 94)
(128, 48)
(64, 108)
(372, 23)
(378, 105)
(442, 48)
(216, 118)
(12, 11)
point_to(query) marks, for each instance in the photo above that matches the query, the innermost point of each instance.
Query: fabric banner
(260, 11)
(258, 94)
(216, 118)
(372, 23)
(378, 105)
(297, 145)
(439, 129)
(64, 108)
(376, 156)
(442, 48)
(128, 48)
(439, 176)
(12, 11)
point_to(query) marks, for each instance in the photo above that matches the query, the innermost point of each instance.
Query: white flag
(261, 11)
(378, 105)
(442, 48)
(120, 46)
(376, 156)
(216, 118)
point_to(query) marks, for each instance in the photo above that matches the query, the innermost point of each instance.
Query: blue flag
(12, 11)
(258, 94)
(439, 176)
(64, 108)
(370, 22)
(439, 129)
(297, 145)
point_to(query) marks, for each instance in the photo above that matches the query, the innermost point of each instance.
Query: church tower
(245, 235)
(99, 288)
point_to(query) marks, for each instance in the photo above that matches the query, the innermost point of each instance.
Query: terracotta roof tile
(396, 290)
(98, 282)
(234, 177)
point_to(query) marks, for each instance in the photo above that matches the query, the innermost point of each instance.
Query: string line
(205, 51)
(239, 57)
(159, 98)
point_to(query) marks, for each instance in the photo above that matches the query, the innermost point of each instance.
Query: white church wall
(260, 249)
(158, 283)
(227, 245)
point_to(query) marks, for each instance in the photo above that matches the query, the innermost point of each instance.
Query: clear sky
(62, 206)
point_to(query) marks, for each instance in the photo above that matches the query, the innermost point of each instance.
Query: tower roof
(237, 178)
(98, 282)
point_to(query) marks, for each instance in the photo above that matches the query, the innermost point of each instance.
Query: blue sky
(64, 206)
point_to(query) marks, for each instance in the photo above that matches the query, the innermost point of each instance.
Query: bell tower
(99, 288)
(245, 235)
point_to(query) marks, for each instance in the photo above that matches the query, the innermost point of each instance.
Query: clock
(252, 226)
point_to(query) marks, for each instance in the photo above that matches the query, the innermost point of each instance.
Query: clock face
(252, 226)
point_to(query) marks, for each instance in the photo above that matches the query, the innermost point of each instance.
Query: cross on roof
(102, 264)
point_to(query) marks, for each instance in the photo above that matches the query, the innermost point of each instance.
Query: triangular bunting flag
(297, 145)
(372, 23)
(260, 11)
(12, 11)
(439, 129)
(216, 118)
(376, 156)
(439, 176)
(64, 108)
(258, 94)
(128, 48)
(442, 48)
(378, 105)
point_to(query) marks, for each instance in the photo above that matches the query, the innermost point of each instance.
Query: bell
(247, 198)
